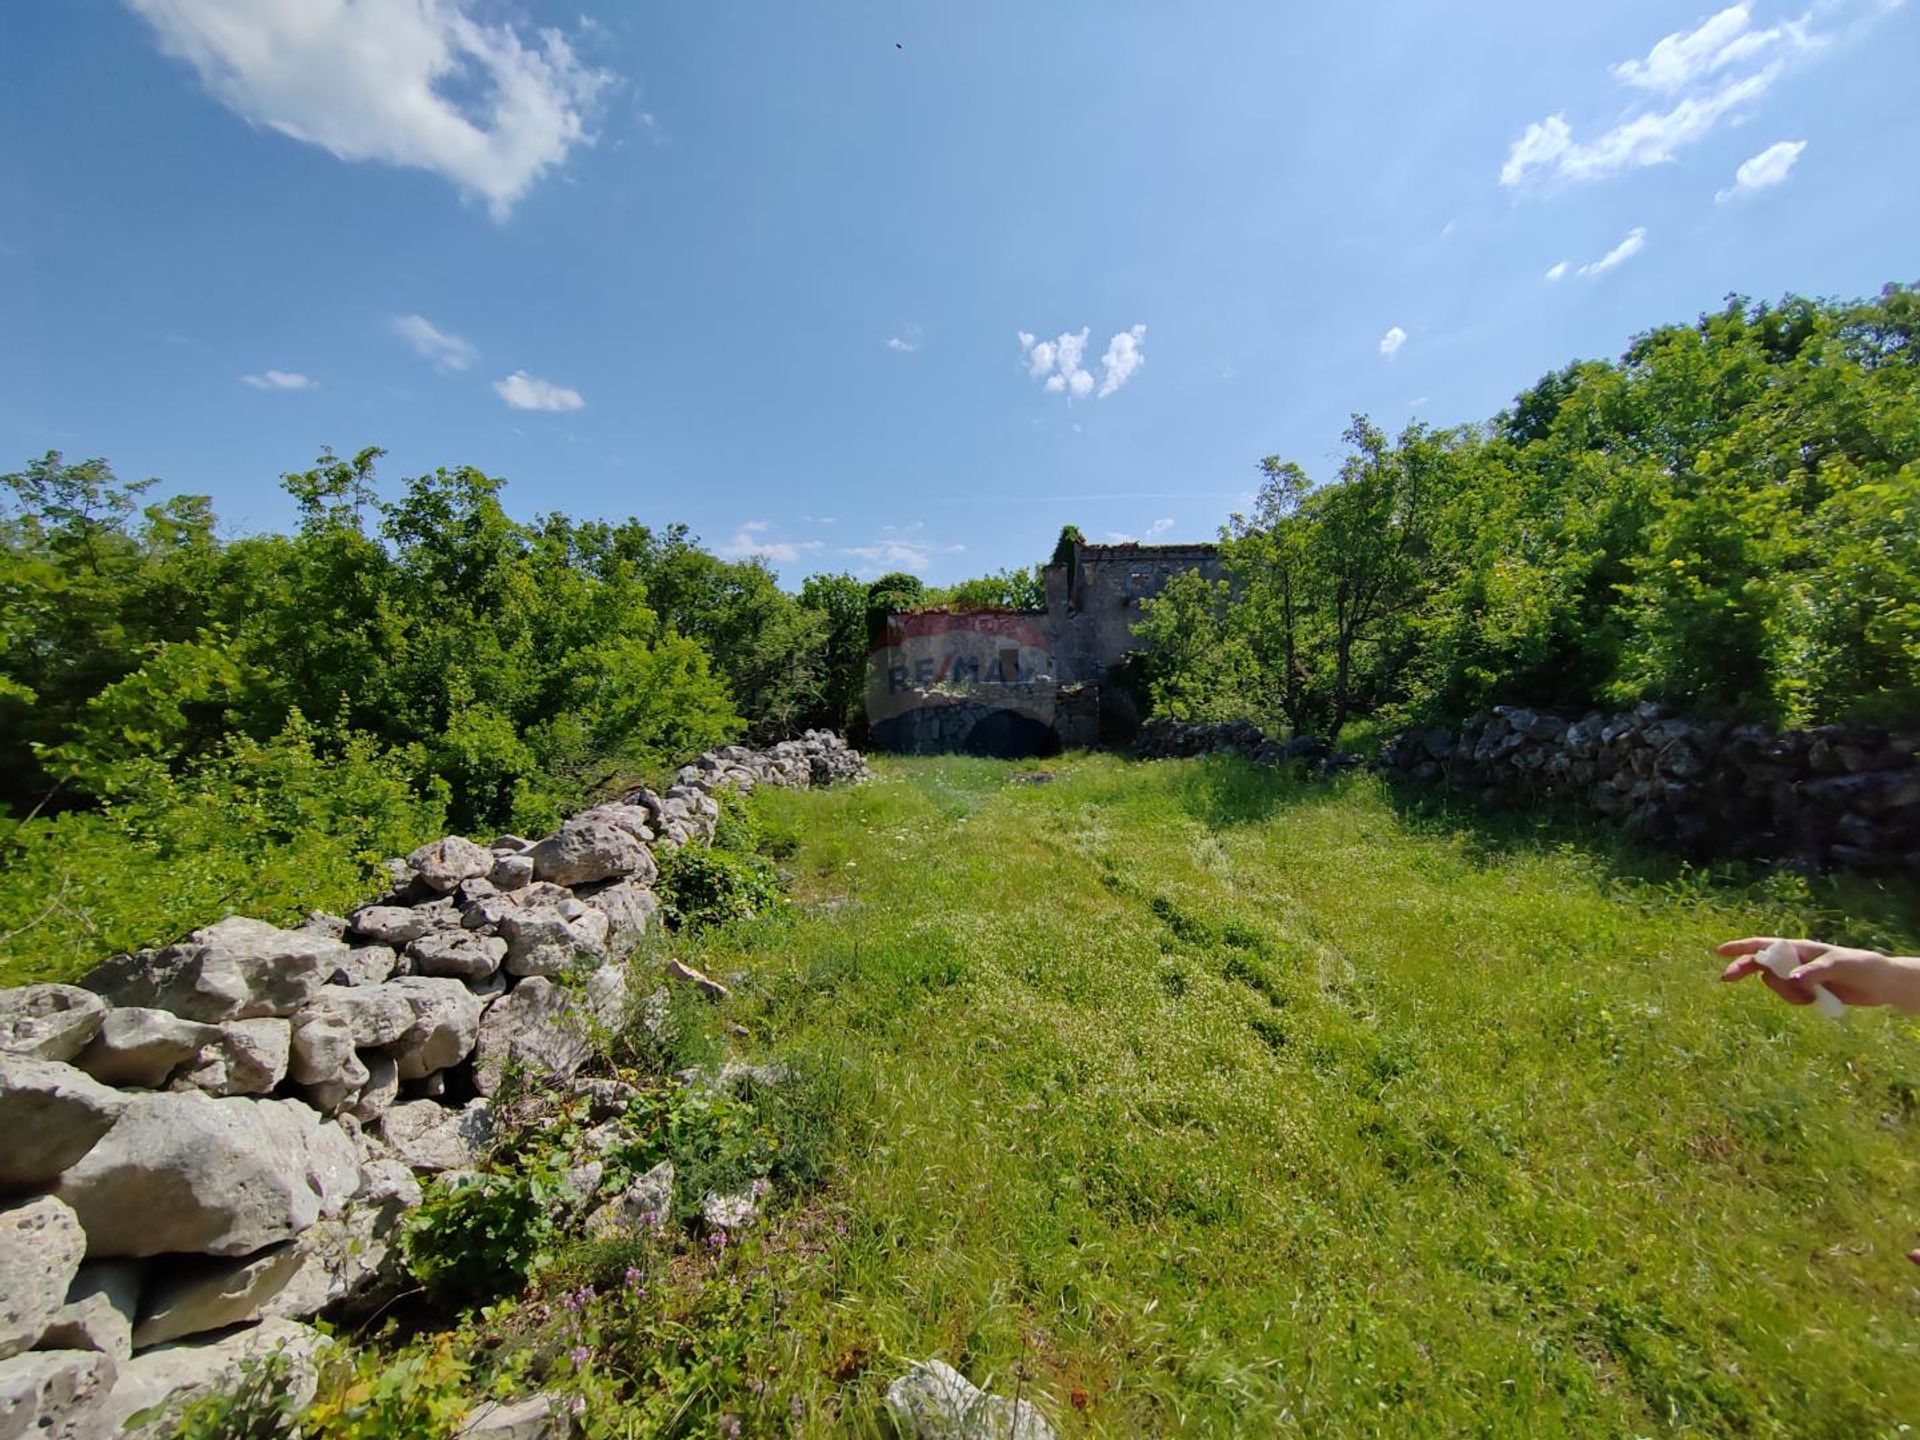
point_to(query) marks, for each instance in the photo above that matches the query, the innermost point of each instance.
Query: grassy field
(1184, 1098)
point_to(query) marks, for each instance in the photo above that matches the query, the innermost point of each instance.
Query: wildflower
(797, 1406)
(635, 1277)
(580, 1355)
(730, 1426)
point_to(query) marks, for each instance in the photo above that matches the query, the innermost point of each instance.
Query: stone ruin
(1840, 797)
(1026, 682)
(212, 1141)
(1835, 797)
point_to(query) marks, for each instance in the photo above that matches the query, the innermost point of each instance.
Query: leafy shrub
(420, 1391)
(477, 1237)
(743, 828)
(662, 1037)
(700, 886)
(271, 828)
(258, 1407)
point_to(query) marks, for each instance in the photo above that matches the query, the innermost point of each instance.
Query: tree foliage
(191, 723)
(1727, 519)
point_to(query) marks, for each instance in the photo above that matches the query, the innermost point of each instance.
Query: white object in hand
(1783, 959)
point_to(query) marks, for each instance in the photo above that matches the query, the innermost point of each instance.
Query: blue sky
(815, 278)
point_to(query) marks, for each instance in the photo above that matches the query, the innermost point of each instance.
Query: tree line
(1726, 519)
(192, 723)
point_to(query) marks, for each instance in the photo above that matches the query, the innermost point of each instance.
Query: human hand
(1855, 977)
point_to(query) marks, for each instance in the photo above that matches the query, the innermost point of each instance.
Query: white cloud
(1120, 537)
(1727, 38)
(1058, 363)
(528, 392)
(447, 352)
(414, 83)
(905, 347)
(1559, 272)
(1652, 138)
(901, 548)
(1541, 144)
(1123, 359)
(750, 542)
(1159, 527)
(1391, 342)
(280, 380)
(1635, 242)
(1765, 170)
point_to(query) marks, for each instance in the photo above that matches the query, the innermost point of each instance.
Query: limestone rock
(699, 979)
(460, 953)
(510, 872)
(629, 906)
(51, 1116)
(646, 1202)
(187, 1172)
(192, 1297)
(429, 1136)
(394, 925)
(166, 1378)
(245, 1057)
(364, 965)
(41, 1244)
(538, 1417)
(55, 1394)
(48, 1022)
(605, 1097)
(92, 1323)
(374, 1015)
(322, 1051)
(117, 1284)
(933, 1401)
(546, 939)
(445, 863)
(446, 1018)
(585, 849)
(140, 1048)
(734, 1211)
(352, 1257)
(238, 969)
(545, 1029)
(319, 922)
(380, 1091)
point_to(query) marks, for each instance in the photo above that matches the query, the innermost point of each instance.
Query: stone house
(1026, 682)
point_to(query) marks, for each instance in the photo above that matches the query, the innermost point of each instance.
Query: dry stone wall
(1841, 796)
(209, 1142)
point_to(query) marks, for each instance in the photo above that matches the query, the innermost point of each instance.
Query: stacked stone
(1180, 739)
(819, 757)
(1840, 796)
(213, 1140)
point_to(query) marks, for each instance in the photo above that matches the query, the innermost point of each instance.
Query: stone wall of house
(1840, 796)
(978, 681)
(210, 1142)
(1095, 598)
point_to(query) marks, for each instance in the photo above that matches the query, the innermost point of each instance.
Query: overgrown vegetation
(1728, 519)
(191, 724)
(1186, 1097)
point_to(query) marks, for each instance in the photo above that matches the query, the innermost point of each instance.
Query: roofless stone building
(1026, 682)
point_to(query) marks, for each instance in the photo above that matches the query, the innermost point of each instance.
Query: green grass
(1186, 1098)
